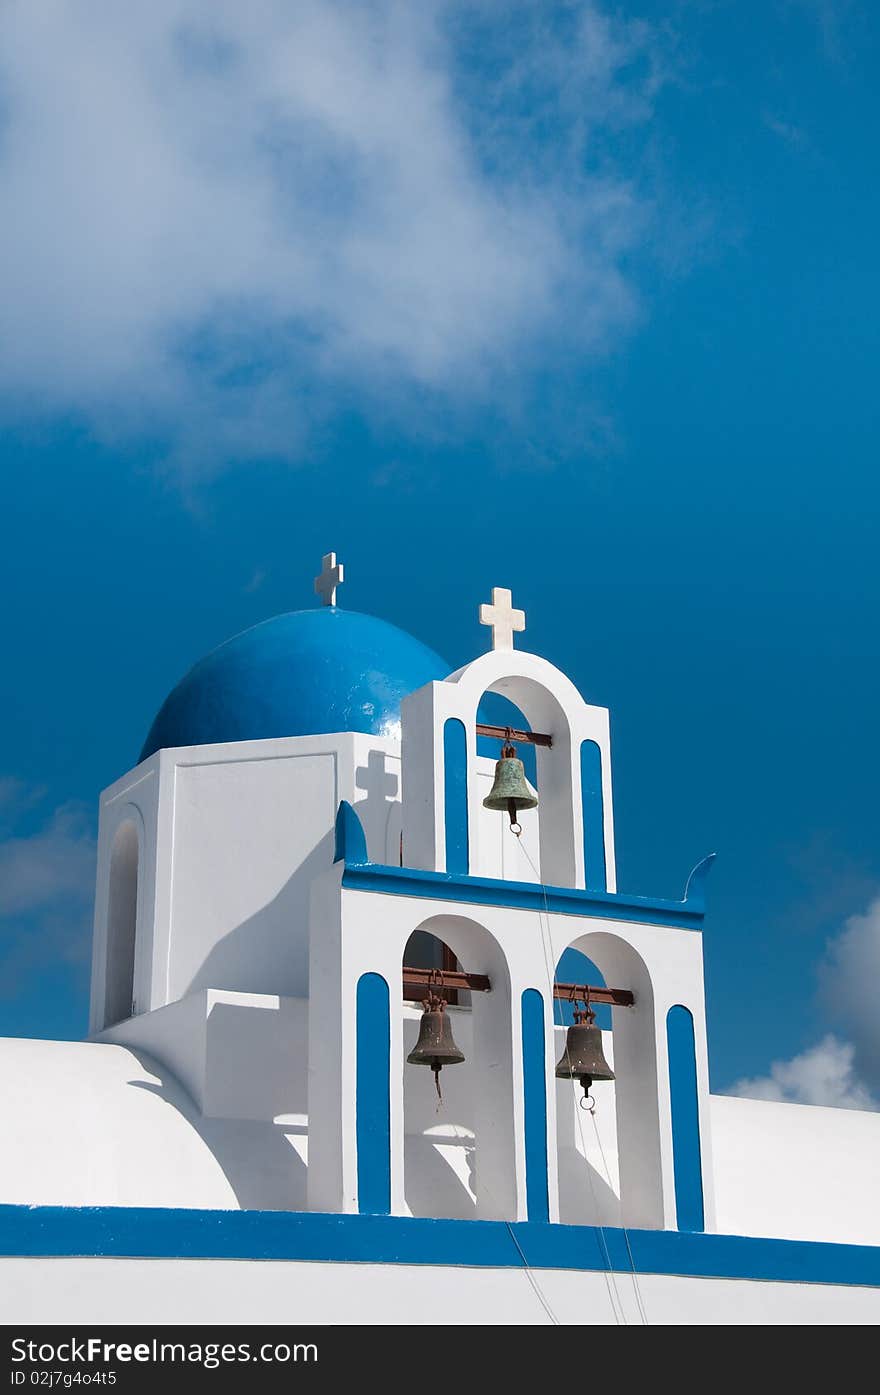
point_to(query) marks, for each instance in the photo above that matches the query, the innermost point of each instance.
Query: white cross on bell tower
(502, 618)
(331, 576)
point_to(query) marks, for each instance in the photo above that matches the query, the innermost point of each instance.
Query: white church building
(300, 857)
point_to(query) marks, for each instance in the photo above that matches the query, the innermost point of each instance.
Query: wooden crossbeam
(613, 997)
(524, 738)
(417, 981)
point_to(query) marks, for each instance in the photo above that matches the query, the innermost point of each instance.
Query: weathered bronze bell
(436, 1045)
(510, 790)
(583, 1059)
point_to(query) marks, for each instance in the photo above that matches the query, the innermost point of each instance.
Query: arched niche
(620, 1178)
(424, 950)
(575, 967)
(556, 862)
(587, 1166)
(459, 1154)
(498, 711)
(122, 909)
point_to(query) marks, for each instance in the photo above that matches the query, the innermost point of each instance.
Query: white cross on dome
(330, 576)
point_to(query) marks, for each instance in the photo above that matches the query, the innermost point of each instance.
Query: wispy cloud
(824, 1074)
(220, 220)
(837, 1071)
(786, 130)
(16, 796)
(46, 887)
(258, 576)
(848, 984)
(830, 18)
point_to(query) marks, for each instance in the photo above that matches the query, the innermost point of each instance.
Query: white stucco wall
(220, 1292)
(231, 837)
(795, 1171)
(91, 1124)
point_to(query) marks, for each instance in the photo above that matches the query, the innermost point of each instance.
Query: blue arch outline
(593, 806)
(373, 1095)
(535, 1105)
(687, 1163)
(455, 796)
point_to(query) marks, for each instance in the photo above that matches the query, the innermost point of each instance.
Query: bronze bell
(510, 790)
(436, 1045)
(583, 1059)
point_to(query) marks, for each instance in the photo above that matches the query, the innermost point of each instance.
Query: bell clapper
(586, 1100)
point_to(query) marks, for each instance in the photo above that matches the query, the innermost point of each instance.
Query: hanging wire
(632, 1263)
(530, 1275)
(610, 1280)
(546, 943)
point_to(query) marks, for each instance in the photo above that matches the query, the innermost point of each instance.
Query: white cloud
(46, 887)
(848, 984)
(837, 1071)
(219, 218)
(823, 1074)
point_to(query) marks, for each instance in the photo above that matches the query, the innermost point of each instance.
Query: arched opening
(121, 924)
(459, 1157)
(589, 1181)
(426, 951)
(502, 855)
(546, 851)
(498, 711)
(609, 1161)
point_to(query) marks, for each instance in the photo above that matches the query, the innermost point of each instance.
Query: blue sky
(580, 300)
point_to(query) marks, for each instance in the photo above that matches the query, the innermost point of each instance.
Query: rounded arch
(122, 921)
(475, 947)
(559, 802)
(636, 1122)
(460, 1156)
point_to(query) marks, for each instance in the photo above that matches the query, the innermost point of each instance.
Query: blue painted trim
(593, 808)
(695, 887)
(526, 896)
(535, 1105)
(351, 842)
(160, 1233)
(455, 796)
(373, 1100)
(362, 875)
(686, 1154)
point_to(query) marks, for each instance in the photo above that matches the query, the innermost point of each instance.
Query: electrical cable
(546, 942)
(541, 1296)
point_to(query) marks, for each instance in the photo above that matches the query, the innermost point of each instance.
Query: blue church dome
(300, 674)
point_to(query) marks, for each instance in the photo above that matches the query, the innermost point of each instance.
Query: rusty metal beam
(614, 997)
(417, 981)
(525, 738)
